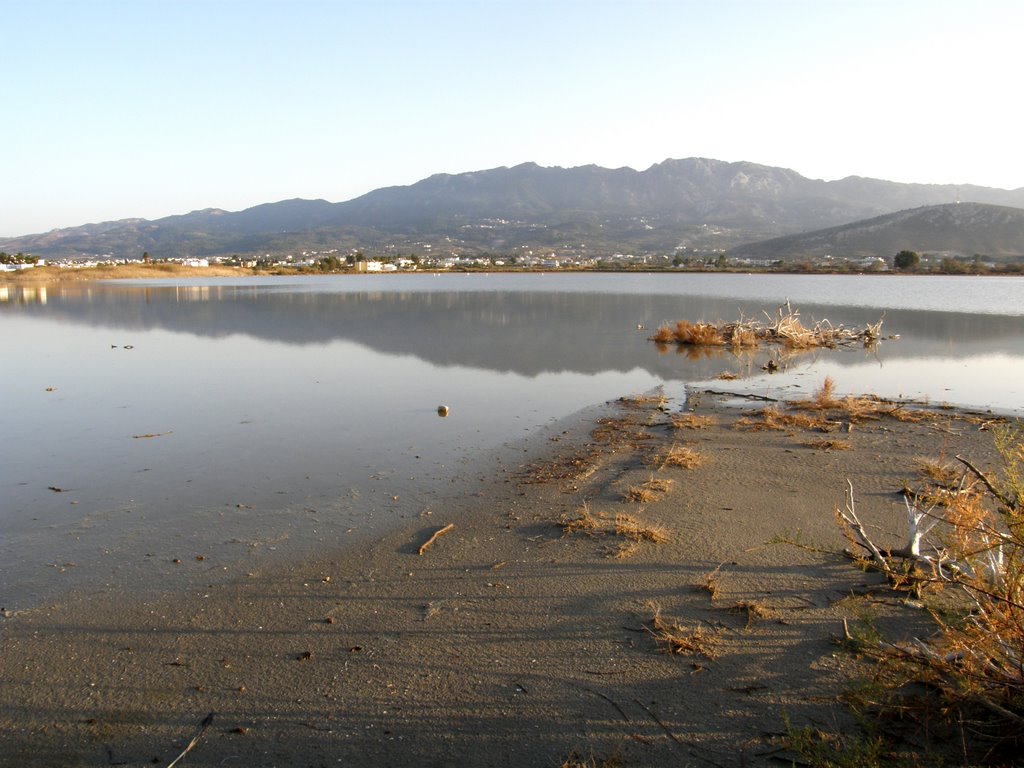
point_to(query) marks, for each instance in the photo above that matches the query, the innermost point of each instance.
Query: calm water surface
(236, 418)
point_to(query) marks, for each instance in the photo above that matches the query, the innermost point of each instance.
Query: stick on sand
(437, 534)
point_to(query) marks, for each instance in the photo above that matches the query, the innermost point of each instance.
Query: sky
(116, 109)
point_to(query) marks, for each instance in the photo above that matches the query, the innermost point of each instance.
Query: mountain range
(694, 203)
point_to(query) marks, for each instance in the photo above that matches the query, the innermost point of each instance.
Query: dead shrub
(965, 559)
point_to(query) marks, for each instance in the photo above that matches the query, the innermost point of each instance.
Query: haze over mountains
(695, 203)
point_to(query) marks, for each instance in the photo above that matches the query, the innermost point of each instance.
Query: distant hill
(696, 202)
(962, 229)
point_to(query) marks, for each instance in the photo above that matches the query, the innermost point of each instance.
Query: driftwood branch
(1003, 499)
(849, 516)
(437, 535)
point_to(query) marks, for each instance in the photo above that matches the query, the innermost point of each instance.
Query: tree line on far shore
(910, 261)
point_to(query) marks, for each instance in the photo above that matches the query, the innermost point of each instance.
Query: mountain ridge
(697, 203)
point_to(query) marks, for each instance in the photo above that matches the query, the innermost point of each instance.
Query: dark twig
(195, 739)
(609, 700)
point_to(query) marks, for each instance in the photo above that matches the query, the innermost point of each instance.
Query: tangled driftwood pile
(785, 328)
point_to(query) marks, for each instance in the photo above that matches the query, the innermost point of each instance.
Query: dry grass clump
(899, 413)
(773, 417)
(663, 335)
(825, 401)
(755, 611)
(711, 583)
(965, 558)
(790, 330)
(574, 467)
(641, 401)
(942, 474)
(632, 529)
(622, 550)
(787, 328)
(682, 456)
(576, 760)
(639, 494)
(689, 334)
(828, 444)
(647, 491)
(675, 639)
(698, 334)
(580, 522)
(692, 421)
(616, 431)
(610, 429)
(742, 337)
(824, 398)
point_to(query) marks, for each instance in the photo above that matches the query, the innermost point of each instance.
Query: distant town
(353, 261)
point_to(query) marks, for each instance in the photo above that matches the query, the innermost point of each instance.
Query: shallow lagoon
(232, 419)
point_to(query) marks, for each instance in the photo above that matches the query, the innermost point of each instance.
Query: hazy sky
(145, 108)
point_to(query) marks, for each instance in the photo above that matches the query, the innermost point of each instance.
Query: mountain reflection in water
(508, 331)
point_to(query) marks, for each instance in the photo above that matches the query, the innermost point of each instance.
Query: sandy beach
(525, 634)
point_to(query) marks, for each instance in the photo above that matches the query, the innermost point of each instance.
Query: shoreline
(511, 640)
(171, 271)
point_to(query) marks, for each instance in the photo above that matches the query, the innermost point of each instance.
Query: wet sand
(508, 641)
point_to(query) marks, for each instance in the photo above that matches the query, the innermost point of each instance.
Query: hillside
(697, 203)
(961, 229)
